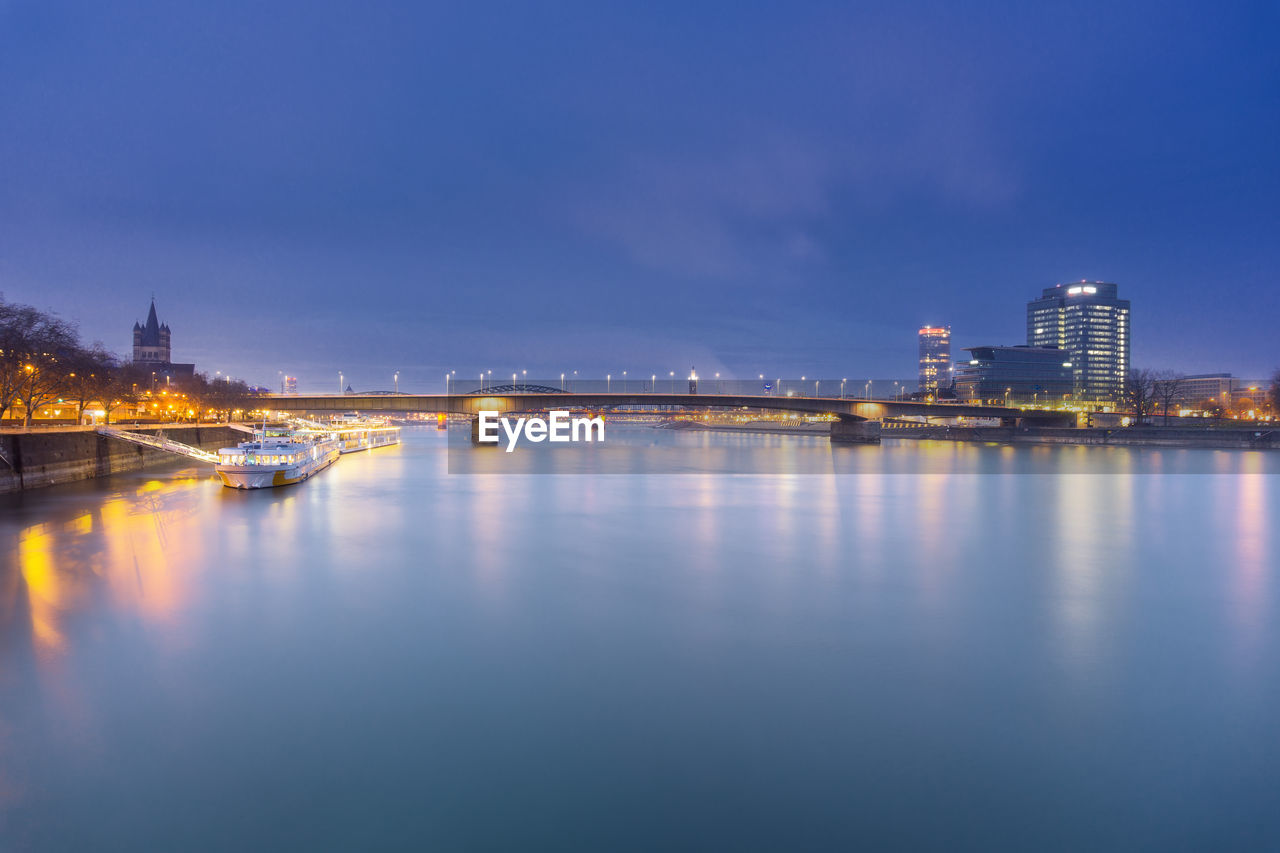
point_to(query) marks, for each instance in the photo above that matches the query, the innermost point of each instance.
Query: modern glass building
(1090, 322)
(1014, 375)
(935, 358)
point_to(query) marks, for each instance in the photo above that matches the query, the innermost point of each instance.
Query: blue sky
(779, 188)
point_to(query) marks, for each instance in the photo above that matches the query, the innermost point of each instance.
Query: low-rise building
(1015, 374)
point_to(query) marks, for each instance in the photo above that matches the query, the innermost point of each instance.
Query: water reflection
(408, 636)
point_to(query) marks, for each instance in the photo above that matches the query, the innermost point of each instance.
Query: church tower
(151, 341)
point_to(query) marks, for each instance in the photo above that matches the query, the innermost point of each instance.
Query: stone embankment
(48, 457)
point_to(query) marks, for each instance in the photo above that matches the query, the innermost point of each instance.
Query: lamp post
(815, 388)
(842, 381)
(608, 383)
(562, 380)
(396, 379)
(867, 390)
(524, 377)
(653, 384)
(624, 382)
(803, 379)
(341, 383)
(717, 383)
(673, 382)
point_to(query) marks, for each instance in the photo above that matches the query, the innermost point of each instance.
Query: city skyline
(431, 205)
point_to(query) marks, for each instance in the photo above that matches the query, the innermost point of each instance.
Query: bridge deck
(846, 408)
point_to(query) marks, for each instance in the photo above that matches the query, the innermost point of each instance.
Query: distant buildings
(935, 358)
(1223, 389)
(1090, 323)
(151, 349)
(290, 385)
(1206, 386)
(1017, 374)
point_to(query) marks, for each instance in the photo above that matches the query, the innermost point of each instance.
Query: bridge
(858, 419)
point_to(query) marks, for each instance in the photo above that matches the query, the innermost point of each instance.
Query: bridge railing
(680, 384)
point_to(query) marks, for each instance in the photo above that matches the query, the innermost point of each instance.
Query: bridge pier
(855, 432)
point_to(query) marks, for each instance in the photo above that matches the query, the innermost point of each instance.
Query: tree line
(1155, 392)
(43, 362)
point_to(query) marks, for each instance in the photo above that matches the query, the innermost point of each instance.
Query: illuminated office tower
(1091, 324)
(935, 358)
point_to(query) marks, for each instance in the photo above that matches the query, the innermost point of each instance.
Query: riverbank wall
(39, 458)
(1146, 436)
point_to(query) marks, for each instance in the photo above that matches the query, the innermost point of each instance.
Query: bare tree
(1166, 389)
(37, 350)
(1138, 387)
(89, 377)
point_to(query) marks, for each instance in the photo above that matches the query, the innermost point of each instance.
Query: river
(940, 646)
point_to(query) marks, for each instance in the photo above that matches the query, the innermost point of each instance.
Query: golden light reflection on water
(124, 551)
(1090, 547)
(1248, 563)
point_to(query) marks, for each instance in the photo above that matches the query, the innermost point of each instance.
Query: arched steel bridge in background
(521, 398)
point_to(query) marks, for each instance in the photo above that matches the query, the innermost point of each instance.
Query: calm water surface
(390, 656)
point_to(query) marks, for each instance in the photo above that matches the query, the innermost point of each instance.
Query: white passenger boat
(356, 432)
(276, 457)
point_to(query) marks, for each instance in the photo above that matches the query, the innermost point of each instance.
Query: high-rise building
(1091, 324)
(935, 358)
(290, 385)
(1014, 375)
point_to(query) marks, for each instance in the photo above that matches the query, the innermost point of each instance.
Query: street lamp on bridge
(397, 382)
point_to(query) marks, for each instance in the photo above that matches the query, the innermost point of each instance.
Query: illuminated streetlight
(397, 381)
(608, 382)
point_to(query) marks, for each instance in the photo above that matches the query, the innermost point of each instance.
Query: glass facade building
(1014, 375)
(1090, 322)
(935, 358)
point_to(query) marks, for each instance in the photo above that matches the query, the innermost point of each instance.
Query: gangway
(159, 442)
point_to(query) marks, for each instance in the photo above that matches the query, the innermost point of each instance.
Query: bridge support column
(855, 432)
